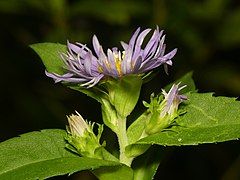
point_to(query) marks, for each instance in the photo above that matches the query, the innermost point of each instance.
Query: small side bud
(82, 138)
(77, 125)
(164, 109)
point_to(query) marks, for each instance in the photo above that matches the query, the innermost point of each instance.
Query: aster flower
(164, 111)
(88, 69)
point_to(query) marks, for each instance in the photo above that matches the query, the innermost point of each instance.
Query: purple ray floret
(81, 65)
(88, 69)
(173, 99)
(139, 60)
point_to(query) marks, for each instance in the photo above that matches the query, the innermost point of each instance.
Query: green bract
(124, 93)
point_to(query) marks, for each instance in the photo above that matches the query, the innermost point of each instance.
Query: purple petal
(161, 47)
(96, 44)
(137, 65)
(149, 65)
(66, 77)
(139, 44)
(93, 82)
(153, 41)
(73, 47)
(171, 95)
(127, 61)
(88, 64)
(124, 45)
(171, 54)
(133, 39)
(83, 46)
(112, 63)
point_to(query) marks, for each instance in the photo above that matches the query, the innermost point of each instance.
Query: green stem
(123, 142)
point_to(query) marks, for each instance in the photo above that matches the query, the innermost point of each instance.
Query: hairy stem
(123, 142)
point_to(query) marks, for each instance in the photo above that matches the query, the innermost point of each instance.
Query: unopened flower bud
(163, 112)
(81, 136)
(77, 125)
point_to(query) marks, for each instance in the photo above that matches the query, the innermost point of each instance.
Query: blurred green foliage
(206, 33)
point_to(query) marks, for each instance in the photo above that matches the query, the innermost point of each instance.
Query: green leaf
(114, 172)
(145, 166)
(185, 80)
(208, 120)
(134, 133)
(42, 154)
(50, 56)
(124, 93)
(136, 129)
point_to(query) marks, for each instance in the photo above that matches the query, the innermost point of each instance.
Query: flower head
(164, 111)
(89, 68)
(81, 136)
(77, 125)
(171, 101)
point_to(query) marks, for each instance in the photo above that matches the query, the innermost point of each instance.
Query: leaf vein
(204, 113)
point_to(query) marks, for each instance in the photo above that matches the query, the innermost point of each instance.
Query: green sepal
(84, 145)
(124, 93)
(156, 124)
(71, 148)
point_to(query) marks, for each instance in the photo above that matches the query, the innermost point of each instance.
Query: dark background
(206, 33)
